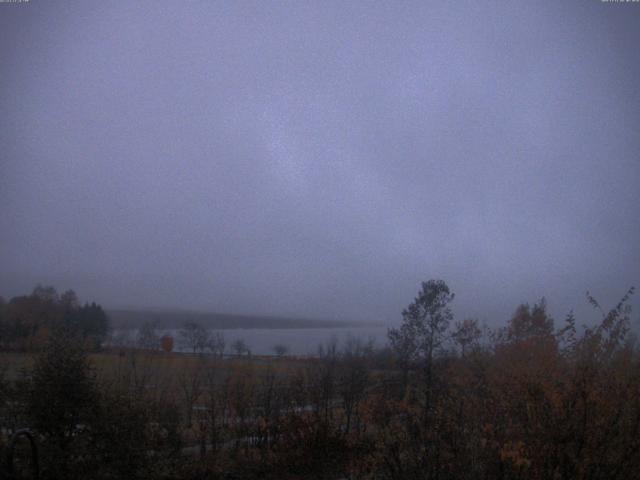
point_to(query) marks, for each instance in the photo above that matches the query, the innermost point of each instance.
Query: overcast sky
(320, 159)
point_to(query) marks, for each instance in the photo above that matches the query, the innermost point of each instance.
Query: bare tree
(280, 350)
(240, 347)
(194, 337)
(216, 402)
(322, 381)
(148, 338)
(191, 381)
(269, 405)
(241, 391)
(353, 378)
(217, 344)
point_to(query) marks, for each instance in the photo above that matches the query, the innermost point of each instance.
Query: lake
(299, 341)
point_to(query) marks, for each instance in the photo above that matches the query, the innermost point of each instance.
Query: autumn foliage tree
(27, 321)
(536, 402)
(534, 399)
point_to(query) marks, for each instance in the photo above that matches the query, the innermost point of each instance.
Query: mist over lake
(319, 240)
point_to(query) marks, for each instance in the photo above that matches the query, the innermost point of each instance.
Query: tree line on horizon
(28, 321)
(448, 399)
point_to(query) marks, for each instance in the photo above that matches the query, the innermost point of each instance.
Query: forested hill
(130, 319)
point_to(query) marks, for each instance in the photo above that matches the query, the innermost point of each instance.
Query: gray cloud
(320, 159)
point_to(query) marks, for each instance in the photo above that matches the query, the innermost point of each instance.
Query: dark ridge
(131, 319)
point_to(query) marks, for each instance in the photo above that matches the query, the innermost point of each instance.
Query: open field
(158, 365)
(447, 400)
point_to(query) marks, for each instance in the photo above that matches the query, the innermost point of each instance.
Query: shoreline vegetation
(447, 399)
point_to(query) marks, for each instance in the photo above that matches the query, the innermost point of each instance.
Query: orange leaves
(515, 454)
(166, 343)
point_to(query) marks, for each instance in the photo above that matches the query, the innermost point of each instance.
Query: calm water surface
(302, 341)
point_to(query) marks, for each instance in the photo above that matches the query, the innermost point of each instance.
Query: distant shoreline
(130, 319)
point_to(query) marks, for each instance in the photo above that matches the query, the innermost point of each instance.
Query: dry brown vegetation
(449, 400)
